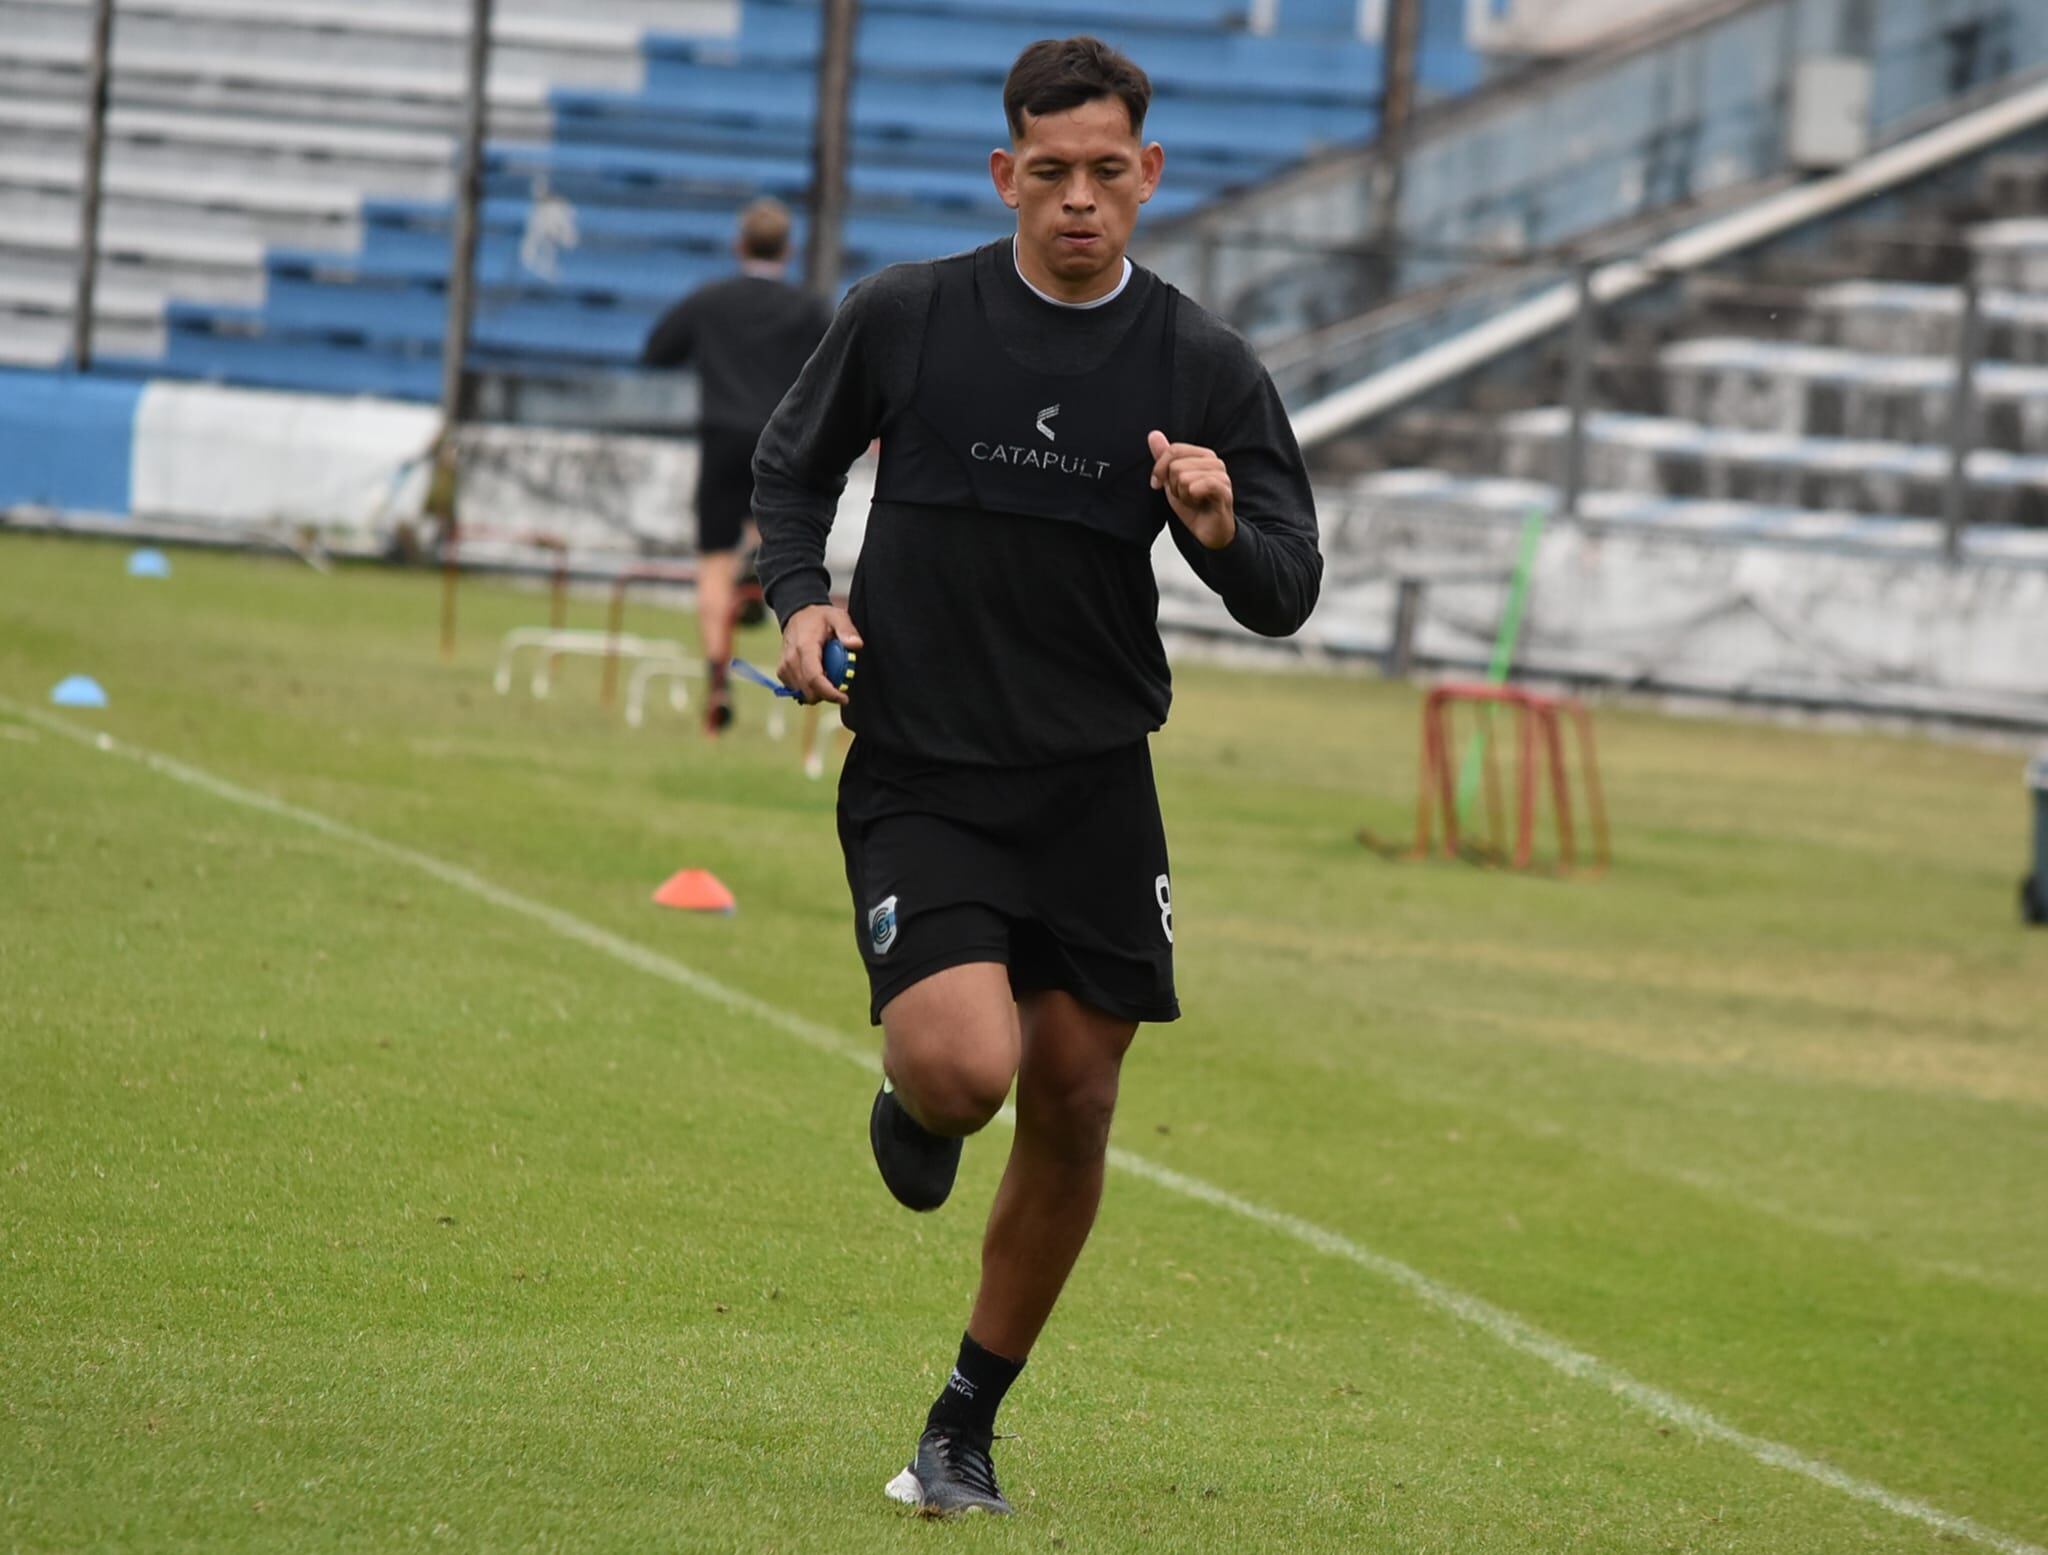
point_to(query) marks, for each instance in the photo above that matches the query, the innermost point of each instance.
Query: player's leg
(725, 489)
(929, 892)
(1044, 1209)
(950, 1045)
(716, 572)
(715, 584)
(1071, 1057)
(1092, 962)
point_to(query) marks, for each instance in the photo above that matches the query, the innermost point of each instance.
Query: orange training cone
(696, 890)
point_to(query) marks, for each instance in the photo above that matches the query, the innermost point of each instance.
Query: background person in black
(748, 336)
(1045, 407)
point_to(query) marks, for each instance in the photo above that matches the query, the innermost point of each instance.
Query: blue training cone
(149, 564)
(78, 691)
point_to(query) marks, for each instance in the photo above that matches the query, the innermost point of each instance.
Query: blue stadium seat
(618, 171)
(883, 237)
(1073, 15)
(652, 175)
(980, 45)
(691, 99)
(394, 257)
(199, 347)
(562, 326)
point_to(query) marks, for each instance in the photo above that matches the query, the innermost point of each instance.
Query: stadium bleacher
(279, 172)
(1848, 423)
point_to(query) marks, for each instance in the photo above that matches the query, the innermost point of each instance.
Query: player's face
(1076, 180)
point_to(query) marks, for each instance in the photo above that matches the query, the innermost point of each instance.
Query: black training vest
(983, 432)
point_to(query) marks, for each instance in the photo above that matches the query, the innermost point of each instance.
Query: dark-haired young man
(1044, 408)
(748, 336)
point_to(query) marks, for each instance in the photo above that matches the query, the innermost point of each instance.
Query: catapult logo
(1079, 466)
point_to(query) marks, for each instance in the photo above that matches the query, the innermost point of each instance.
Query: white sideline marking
(1496, 1322)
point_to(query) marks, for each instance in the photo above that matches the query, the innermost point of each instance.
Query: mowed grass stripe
(1500, 1325)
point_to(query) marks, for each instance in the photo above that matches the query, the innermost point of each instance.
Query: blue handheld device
(839, 669)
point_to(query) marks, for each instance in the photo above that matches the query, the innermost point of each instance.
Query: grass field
(349, 1205)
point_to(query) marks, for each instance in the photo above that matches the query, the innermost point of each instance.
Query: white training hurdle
(549, 644)
(647, 671)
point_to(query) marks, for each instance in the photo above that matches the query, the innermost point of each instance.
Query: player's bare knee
(957, 1091)
(1069, 1115)
(952, 1080)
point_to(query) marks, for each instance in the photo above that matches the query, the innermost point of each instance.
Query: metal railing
(1691, 107)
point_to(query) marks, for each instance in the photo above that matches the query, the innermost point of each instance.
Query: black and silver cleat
(950, 1475)
(917, 1165)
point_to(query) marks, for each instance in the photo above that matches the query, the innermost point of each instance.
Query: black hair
(1056, 74)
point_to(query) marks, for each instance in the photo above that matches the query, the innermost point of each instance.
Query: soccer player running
(748, 336)
(1044, 407)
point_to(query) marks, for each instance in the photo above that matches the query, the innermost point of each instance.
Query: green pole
(1503, 649)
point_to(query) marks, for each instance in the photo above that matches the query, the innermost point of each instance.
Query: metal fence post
(442, 501)
(468, 195)
(1962, 418)
(1401, 30)
(1578, 393)
(1399, 659)
(829, 150)
(87, 284)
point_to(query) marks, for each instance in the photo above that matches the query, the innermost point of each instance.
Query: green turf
(342, 1209)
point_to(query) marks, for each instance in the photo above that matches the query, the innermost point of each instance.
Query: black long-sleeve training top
(993, 638)
(748, 336)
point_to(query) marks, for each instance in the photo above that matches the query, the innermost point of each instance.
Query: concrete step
(1926, 251)
(281, 101)
(1427, 495)
(115, 299)
(2012, 255)
(1667, 457)
(333, 85)
(2017, 184)
(186, 207)
(136, 259)
(350, 41)
(35, 326)
(514, 22)
(1914, 320)
(1771, 309)
(1826, 392)
(393, 163)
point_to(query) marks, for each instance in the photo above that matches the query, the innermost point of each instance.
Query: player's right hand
(803, 648)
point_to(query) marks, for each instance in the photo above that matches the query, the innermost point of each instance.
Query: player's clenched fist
(1197, 486)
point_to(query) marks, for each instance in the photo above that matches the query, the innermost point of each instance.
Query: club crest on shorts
(882, 925)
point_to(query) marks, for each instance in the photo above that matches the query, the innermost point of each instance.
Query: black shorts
(1058, 872)
(725, 486)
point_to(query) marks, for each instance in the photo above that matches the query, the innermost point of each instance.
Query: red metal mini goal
(1540, 748)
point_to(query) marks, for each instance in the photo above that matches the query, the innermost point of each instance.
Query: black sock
(968, 1403)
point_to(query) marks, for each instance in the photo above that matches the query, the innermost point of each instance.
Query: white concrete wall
(1867, 613)
(247, 458)
(1882, 624)
(353, 469)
